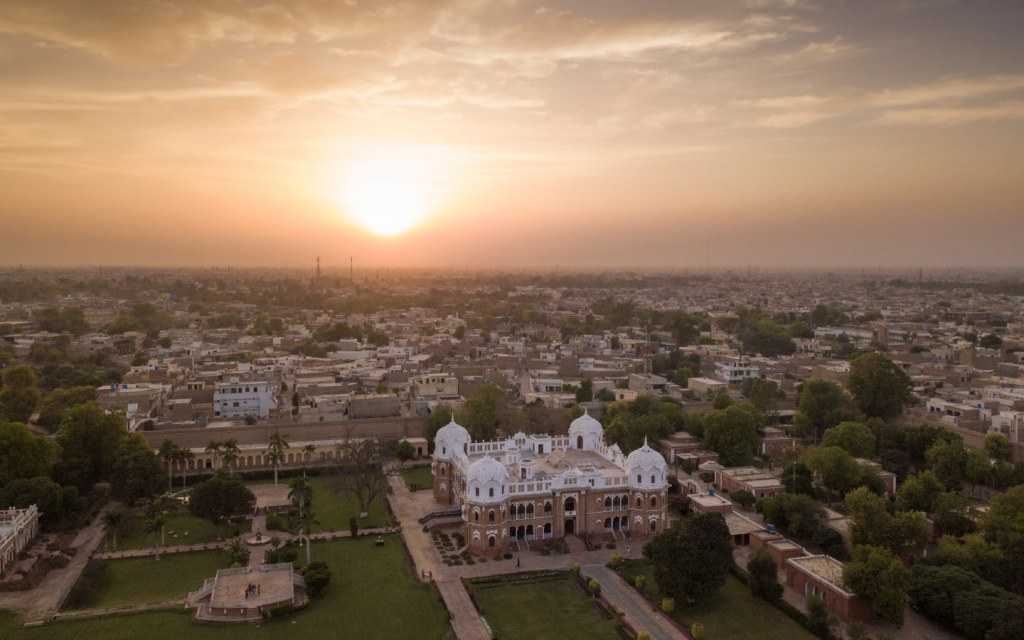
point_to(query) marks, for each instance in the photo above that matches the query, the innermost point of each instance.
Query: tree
(481, 413)
(113, 521)
(990, 341)
(317, 575)
(439, 417)
(1003, 524)
(58, 505)
(880, 386)
(835, 468)
(585, 392)
(168, 453)
(919, 492)
(88, 439)
(818, 619)
(182, 455)
(360, 470)
(797, 514)
(691, 558)
(229, 453)
(904, 533)
(952, 514)
(155, 525)
(798, 479)
(136, 473)
(19, 395)
(763, 576)
(24, 454)
(732, 432)
(214, 448)
(998, 446)
(219, 499)
(275, 450)
(404, 451)
(877, 575)
(853, 437)
(822, 405)
(53, 406)
(948, 460)
(763, 394)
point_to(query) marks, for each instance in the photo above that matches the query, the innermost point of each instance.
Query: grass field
(334, 505)
(420, 476)
(372, 595)
(146, 580)
(730, 614)
(181, 528)
(551, 608)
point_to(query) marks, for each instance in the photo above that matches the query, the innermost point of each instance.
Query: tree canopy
(24, 454)
(823, 404)
(880, 386)
(691, 558)
(877, 575)
(220, 498)
(732, 433)
(853, 437)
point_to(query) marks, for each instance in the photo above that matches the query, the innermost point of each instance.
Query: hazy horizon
(782, 134)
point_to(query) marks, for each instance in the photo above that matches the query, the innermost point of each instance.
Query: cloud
(952, 116)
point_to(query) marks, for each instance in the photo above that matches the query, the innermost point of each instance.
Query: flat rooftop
(825, 568)
(557, 462)
(708, 500)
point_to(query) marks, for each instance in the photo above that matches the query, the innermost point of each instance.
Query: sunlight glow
(388, 196)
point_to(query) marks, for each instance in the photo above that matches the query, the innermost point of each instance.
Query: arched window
(444, 471)
(490, 516)
(579, 442)
(616, 503)
(444, 450)
(638, 478)
(476, 516)
(608, 503)
(654, 501)
(570, 504)
(607, 523)
(522, 473)
(490, 492)
(521, 511)
(639, 502)
(654, 525)
(547, 529)
(477, 491)
(652, 478)
(529, 510)
(490, 542)
(547, 508)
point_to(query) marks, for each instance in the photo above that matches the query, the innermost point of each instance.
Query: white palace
(542, 487)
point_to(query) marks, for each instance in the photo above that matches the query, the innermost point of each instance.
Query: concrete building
(822, 576)
(237, 399)
(759, 483)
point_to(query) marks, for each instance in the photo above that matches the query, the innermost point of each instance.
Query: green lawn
(372, 595)
(420, 476)
(730, 614)
(147, 580)
(553, 608)
(181, 528)
(334, 508)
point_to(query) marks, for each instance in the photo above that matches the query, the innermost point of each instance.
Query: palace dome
(646, 468)
(450, 438)
(585, 432)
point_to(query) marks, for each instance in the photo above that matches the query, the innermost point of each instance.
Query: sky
(511, 133)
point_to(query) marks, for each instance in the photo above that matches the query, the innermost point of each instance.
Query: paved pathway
(638, 611)
(41, 603)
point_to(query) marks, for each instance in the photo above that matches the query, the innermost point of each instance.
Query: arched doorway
(579, 442)
(570, 526)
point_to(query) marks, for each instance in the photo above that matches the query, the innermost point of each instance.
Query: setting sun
(387, 197)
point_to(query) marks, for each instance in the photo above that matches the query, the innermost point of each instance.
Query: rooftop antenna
(318, 268)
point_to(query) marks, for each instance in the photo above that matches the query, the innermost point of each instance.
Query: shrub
(353, 526)
(317, 576)
(576, 568)
(668, 605)
(282, 610)
(276, 523)
(643, 635)
(640, 582)
(615, 560)
(594, 587)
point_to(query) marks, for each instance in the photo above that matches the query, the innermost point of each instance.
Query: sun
(387, 196)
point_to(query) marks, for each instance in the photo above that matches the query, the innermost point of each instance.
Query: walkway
(40, 604)
(638, 611)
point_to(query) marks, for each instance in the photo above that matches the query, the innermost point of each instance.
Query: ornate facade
(541, 487)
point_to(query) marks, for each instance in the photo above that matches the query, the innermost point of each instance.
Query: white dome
(646, 468)
(586, 430)
(450, 438)
(487, 480)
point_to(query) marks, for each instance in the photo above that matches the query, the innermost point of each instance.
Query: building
(541, 487)
(238, 399)
(822, 576)
(17, 528)
(435, 386)
(735, 371)
(760, 484)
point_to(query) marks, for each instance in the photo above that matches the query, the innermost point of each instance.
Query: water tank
(771, 528)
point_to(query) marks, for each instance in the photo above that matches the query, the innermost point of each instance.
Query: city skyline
(783, 134)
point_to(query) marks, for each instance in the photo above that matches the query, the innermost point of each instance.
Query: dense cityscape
(845, 443)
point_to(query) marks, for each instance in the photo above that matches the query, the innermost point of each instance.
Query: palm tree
(155, 525)
(230, 453)
(158, 511)
(308, 452)
(214, 449)
(237, 550)
(182, 456)
(303, 520)
(276, 446)
(301, 494)
(168, 453)
(113, 521)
